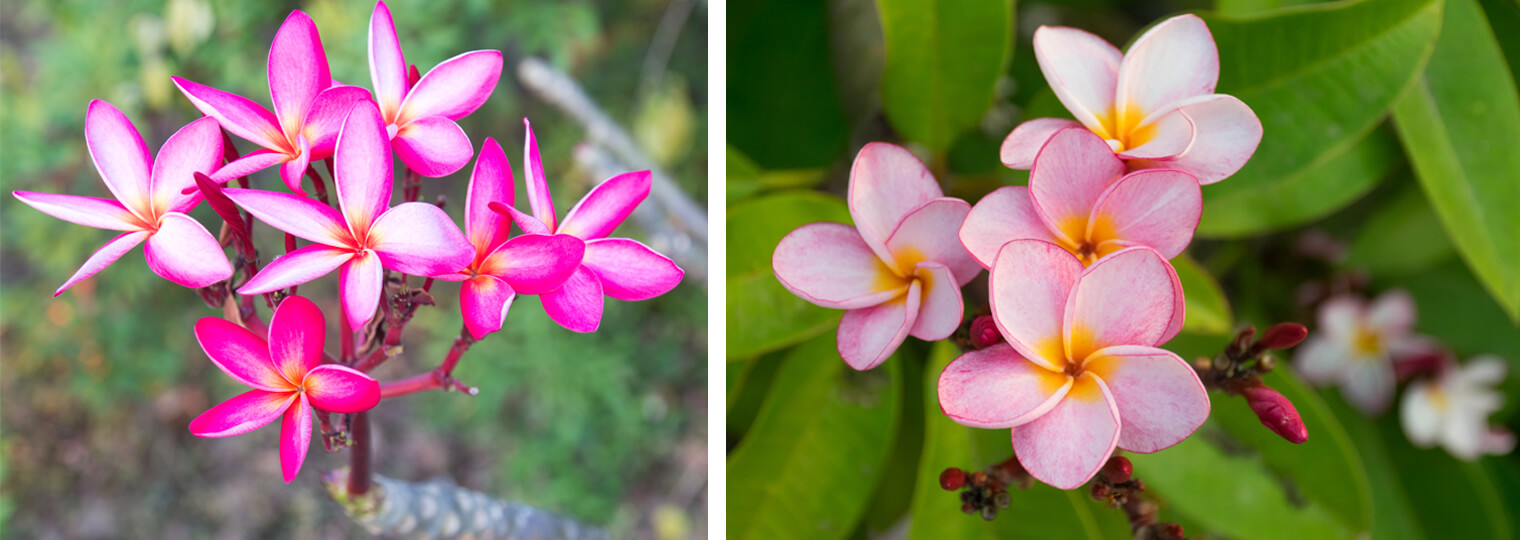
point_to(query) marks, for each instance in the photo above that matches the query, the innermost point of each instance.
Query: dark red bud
(1170, 531)
(1100, 491)
(952, 479)
(1419, 364)
(1276, 412)
(1241, 343)
(979, 479)
(968, 508)
(1118, 470)
(1284, 335)
(412, 76)
(222, 205)
(984, 332)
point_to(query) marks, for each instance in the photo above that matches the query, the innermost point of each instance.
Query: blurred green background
(100, 383)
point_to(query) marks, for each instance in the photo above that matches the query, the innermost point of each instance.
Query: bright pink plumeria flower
(414, 238)
(1080, 199)
(504, 266)
(308, 109)
(420, 119)
(148, 205)
(1081, 371)
(622, 268)
(287, 376)
(1155, 106)
(898, 271)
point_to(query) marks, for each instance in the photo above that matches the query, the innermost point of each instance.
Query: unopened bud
(984, 332)
(1267, 363)
(1169, 531)
(1003, 500)
(1118, 470)
(1242, 342)
(952, 479)
(979, 479)
(1284, 335)
(1276, 412)
(968, 508)
(1100, 491)
(412, 76)
(989, 513)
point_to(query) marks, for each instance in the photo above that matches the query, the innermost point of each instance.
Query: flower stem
(317, 183)
(441, 377)
(359, 460)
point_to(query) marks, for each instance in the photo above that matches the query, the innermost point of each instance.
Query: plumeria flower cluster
(371, 243)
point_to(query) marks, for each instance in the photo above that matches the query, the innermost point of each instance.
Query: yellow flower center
(1366, 342)
(1122, 130)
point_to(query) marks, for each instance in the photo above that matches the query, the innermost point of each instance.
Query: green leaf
(1403, 236)
(816, 452)
(746, 179)
(1392, 515)
(1320, 78)
(1458, 124)
(1455, 309)
(784, 108)
(943, 60)
(895, 492)
(1452, 499)
(1237, 8)
(748, 383)
(1208, 311)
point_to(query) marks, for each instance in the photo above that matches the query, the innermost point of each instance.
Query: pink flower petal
(1167, 136)
(184, 252)
(526, 222)
(303, 217)
(996, 388)
(485, 301)
(1172, 61)
(491, 181)
(1158, 395)
(360, 283)
(1066, 446)
(243, 413)
(295, 268)
(1082, 69)
(387, 66)
(341, 389)
(295, 438)
(1157, 208)
(250, 163)
(1026, 139)
(868, 336)
(940, 309)
(454, 88)
(1002, 216)
(362, 165)
(1369, 386)
(1030, 283)
(296, 334)
(1340, 317)
(576, 305)
(88, 211)
(295, 169)
(119, 155)
(195, 148)
(886, 183)
(932, 233)
(536, 263)
(1226, 135)
(1393, 313)
(608, 204)
(433, 146)
(830, 265)
(630, 270)
(297, 71)
(539, 199)
(325, 119)
(236, 114)
(1069, 175)
(1127, 298)
(419, 239)
(104, 256)
(240, 354)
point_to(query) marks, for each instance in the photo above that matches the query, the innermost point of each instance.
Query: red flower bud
(1284, 335)
(1241, 343)
(1276, 412)
(984, 332)
(1118, 470)
(1100, 491)
(952, 479)
(1169, 531)
(412, 76)
(220, 204)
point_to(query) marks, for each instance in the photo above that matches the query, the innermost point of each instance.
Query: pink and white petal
(250, 163)
(1127, 298)
(119, 155)
(297, 71)
(1002, 216)
(1158, 208)
(1320, 360)
(295, 169)
(1030, 283)
(1226, 133)
(1026, 139)
(1070, 174)
(608, 204)
(536, 263)
(433, 146)
(387, 66)
(1483, 370)
(236, 114)
(419, 239)
(240, 354)
(104, 256)
(88, 211)
(490, 181)
(1082, 69)
(296, 334)
(1169, 135)
(184, 252)
(932, 233)
(325, 119)
(485, 301)
(940, 309)
(1158, 395)
(1392, 314)
(195, 148)
(576, 305)
(362, 166)
(303, 217)
(539, 200)
(1368, 386)
(830, 265)
(341, 389)
(1066, 446)
(868, 336)
(295, 438)
(1340, 316)
(996, 388)
(1173, 61)
(454, 88)
(886, 183)
(360, 282)
(630, 270)
(1419, 416)
(524, 221)
(295, 268)
(243, 413)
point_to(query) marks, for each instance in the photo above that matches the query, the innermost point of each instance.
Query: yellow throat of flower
(1121, 129)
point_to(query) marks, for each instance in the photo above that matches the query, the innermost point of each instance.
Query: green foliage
(782, 101)
(943, 58)
(1208, 311)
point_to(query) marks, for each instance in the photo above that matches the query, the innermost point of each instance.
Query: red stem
(441, 377)
(316, 182)
(359, 462)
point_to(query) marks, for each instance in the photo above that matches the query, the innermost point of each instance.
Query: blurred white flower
(1356, 344)
(1452, 410)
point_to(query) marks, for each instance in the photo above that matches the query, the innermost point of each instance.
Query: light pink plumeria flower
(1081, 372)
(897, 272)
(308, 108)
(149, 206)
(1453, 410)
(420, 119)
(1356, 345)
(287, 376)
(1155, 106)
(1080, 198)
(505, 266)
(366, 236)
(622, 268)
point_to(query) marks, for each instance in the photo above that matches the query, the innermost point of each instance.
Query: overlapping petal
(868, 336)
(297, 71)
(195, 148)
(490, 181)
(240, 354)
(297, 215)
(929, 233)
(830, 265)
(325, 119)
(361, 281)
(433, 146)
(606, 206)
(1226, 133)
(341, 389)
(1172, 61)
(1002, 216)
(295, 437)
(1030, 284)
(294, 168)
(1021, 145)
(536, 263)
(454, 88)
(1082, 69)
(103, 257)
(1154, 208)
(296, 334)
(1070, 174)
(419, 239)
(184, 252)
(886, 183)
(576, 305)
(484, 300)
(296, 267)
(250, 163)
(997, 388)
(940, 307)
(362, 166)
(630, 270)
(1158, 395)
(1162, 139)
(1128, 298)
(387, 66)
(1067, 445)
(243, 413)
(539, 200)
(235, 113)
(119, 155)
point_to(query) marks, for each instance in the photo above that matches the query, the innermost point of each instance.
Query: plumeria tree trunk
(441, 509)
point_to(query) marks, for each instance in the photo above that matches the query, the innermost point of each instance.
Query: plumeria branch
(440, 378)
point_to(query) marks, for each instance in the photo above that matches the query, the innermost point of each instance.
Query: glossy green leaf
(943, 60)
(808, 466)
(1458, 124)
(1392, 515)
(1403, 236)
(1208, 311)
(1320, 78)
(747, 179)
(895, 492)
(1237, 8)
(1452, 499)
(784, 108)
